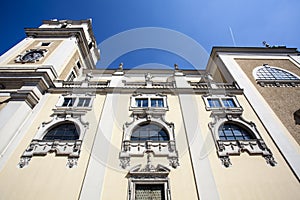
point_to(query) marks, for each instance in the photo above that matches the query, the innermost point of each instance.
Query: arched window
(267, 72)
(230, 131)
(66, 131)
(148, 131)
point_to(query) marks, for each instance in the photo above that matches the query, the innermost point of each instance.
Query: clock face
(32, 56)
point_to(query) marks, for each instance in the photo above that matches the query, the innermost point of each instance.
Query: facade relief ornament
(164, 148)
(70, 148)
(226, 148)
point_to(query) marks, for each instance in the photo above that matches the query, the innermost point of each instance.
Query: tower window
(67, 131)
(71, 77)
(45, 44)
(78, 65)
(90, 45)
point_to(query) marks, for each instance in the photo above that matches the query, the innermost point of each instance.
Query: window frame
(149, 98)
(45, 42)
(220, 99)
(71, 76)
(61, 124)
(77, 99)
(148, 133)
(276, 82)
(256, 77)
(134, 182)
(248, 132)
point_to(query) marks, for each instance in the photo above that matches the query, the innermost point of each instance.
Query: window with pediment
(64, 133)
(149, 182)
(148, 131)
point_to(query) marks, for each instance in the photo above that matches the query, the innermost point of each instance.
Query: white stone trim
(277, 130)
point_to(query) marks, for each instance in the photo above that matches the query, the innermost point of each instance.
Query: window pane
(157, 103)
(68, 102)
(270, 73)
(84, 102)
(151, 132)
(141, 102)
(229, 103)
(66, 131)
(214, 103)
(233, 132)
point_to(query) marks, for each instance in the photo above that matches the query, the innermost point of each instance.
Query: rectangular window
(214, 103)
(141, 102)
(228, 103)
(71, 77)
(90, 45)
(149, 191)
(78, 65)
(84, 102)
(157, 103)
(45, 44)
(68, 102)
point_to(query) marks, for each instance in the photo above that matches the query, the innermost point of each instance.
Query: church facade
(71, 131)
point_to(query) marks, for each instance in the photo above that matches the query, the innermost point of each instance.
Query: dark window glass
(83, 102)
(45, 44)
(71, 77)
(157, 103)
(141, 102)
(149, 191)
(214, 103)
(78, 65)
(149, 131)
(233, 132)
(67, 131)
(68, 102)
(229, 103)
(90, 45)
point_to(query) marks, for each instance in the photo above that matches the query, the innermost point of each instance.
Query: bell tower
(58, 50)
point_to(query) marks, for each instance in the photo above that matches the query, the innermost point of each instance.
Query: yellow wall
(48, 177)
(182, 183)
(249, 177)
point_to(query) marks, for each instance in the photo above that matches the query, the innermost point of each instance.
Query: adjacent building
(71, 131)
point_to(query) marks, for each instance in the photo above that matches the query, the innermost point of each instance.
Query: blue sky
(206, 22)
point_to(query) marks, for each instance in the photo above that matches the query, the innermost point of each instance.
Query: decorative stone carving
(130, 148)
(124, 160)
(70, 148)
(150, 175)
(24, 161)
(225, 161)
(61, 148)
(226, 148)
(72, 162)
